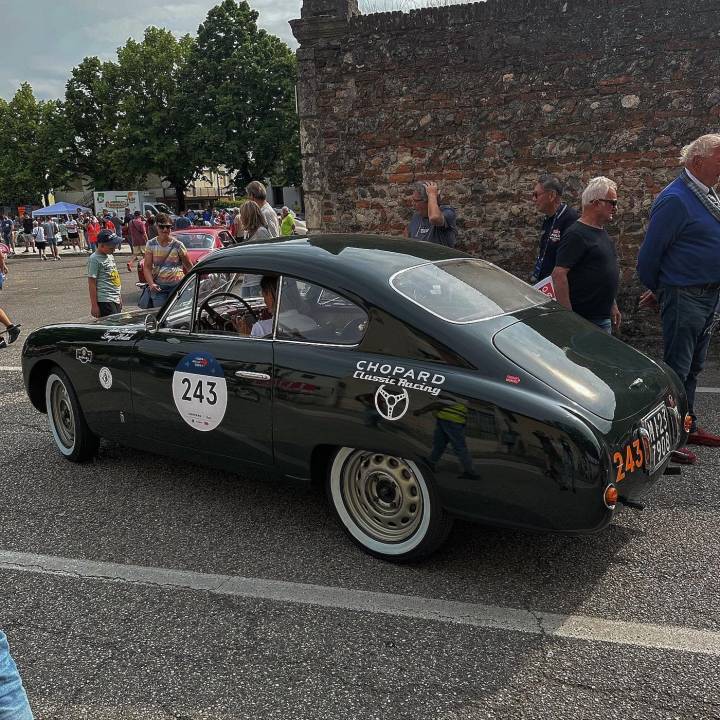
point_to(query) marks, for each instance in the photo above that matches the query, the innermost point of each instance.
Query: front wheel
(67, 423)
(386, 504)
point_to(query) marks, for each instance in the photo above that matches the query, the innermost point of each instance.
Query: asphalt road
(136, 587)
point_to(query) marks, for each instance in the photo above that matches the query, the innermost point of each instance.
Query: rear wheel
(387, 504)
(67, 423)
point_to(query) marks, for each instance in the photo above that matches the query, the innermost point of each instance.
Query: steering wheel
(217, 319)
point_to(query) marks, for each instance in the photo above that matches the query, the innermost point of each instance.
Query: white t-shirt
(262, 328)
(271, 219)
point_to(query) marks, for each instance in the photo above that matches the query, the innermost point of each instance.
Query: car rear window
(465, 290)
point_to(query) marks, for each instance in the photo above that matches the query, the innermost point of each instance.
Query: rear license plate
(657, 424)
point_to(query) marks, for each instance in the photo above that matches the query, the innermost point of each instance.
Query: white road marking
(708, 389)
(9, 368)
(577, 627)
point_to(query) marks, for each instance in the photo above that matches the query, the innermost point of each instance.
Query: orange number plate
(628, 460)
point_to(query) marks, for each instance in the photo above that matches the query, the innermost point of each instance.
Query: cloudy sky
(42, 40)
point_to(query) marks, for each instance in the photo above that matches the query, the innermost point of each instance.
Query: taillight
(687, 424)
(610, 497)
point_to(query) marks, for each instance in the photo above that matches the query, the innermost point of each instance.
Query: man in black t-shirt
(586, 274)
(559, 216)
(27, 224)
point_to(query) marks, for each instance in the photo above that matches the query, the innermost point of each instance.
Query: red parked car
(199, 241)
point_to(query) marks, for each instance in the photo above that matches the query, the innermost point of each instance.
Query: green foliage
(33, 152)
(245, 99)
(154, 131)
(171, 107)
(91, 115)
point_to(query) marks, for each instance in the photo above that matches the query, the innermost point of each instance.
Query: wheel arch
(320, 462)
(37, 379)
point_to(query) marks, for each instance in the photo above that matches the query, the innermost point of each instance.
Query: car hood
(131, 317)
(597, 371)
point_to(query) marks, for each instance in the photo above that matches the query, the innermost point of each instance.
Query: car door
(206, 392)
(316, 337)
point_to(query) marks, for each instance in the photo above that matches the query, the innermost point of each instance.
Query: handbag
(2, 280)
(145, 302)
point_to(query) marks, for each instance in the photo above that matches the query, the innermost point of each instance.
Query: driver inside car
(292, 321)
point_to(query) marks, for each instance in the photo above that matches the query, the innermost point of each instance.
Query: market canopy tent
(61, 208)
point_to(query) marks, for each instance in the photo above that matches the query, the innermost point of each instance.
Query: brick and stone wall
(484, 97)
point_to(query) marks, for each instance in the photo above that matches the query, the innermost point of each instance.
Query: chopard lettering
(400, 376)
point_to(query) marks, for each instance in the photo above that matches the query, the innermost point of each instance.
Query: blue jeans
(688, 317)
(605, 324)
(453, 433)
(13, 700)
(160, 298)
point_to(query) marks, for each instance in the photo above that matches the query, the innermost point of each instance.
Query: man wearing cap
(679, 263)
(103, 276)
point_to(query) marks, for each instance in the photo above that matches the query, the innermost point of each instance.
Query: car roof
(359, 260)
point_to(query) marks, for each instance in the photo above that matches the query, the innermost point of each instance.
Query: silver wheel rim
(382, 496)
(62, 414)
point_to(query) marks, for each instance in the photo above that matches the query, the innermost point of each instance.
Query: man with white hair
(258, 194)
(587, 274)
(679, 261)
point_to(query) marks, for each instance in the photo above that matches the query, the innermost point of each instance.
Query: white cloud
(42, 41)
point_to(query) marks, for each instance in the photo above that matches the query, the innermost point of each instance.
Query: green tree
(91, 119)
(32, 150)
(245, 96)
(155, 122)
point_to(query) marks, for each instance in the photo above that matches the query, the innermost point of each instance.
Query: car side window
(312, 313)
(179, 315)
(232, 303)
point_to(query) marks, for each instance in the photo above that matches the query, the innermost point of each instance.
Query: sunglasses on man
(609, 202)
(165, 227)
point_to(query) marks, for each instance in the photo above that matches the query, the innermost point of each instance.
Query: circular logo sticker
(105, 377)
(391, 402)
(200, 391)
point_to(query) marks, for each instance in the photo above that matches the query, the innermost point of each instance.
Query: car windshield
(195, 241)
(465, 291)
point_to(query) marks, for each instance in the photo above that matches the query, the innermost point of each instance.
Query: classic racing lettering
(399, 375)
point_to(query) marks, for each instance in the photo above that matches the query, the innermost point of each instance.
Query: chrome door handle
(251, 375)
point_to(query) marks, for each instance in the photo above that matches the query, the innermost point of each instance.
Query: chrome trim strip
(215, 336)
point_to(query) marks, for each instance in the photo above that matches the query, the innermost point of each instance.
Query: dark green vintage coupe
(419, 383)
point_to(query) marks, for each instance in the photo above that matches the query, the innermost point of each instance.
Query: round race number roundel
(200, 391)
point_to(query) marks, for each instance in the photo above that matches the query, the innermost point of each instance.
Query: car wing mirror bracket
(151, 323)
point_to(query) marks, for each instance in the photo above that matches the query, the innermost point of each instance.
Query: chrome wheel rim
(382, 496)
(62, 414)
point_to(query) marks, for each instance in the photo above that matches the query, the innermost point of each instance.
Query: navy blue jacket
(682, 242)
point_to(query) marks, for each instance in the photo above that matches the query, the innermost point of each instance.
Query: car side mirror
(151, 323)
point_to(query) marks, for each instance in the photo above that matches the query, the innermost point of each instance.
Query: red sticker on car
(514, 379)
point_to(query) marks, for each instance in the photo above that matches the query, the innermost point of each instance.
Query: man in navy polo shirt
(679, 262)
(559, 216)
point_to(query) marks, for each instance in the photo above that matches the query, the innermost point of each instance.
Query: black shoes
(13, 333)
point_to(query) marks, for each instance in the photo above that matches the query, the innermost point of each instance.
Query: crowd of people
(165, 258)
(679, 262)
